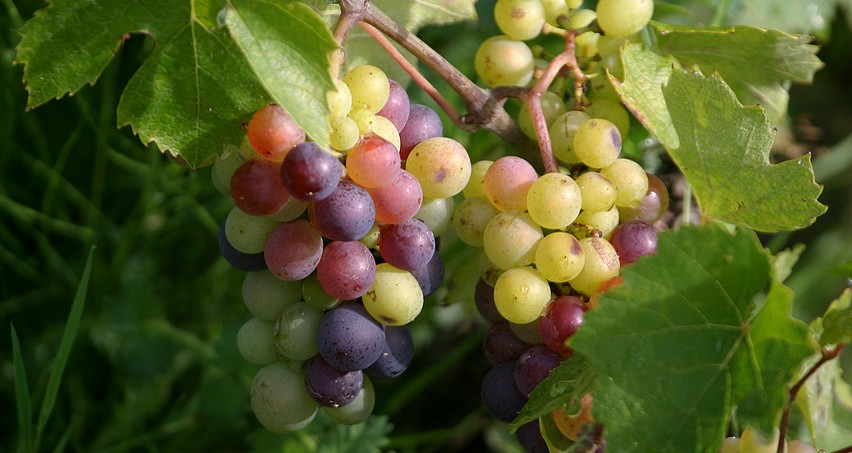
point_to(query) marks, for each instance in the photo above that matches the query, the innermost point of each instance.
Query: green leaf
(290, 61)
(565, 384)
(837, 322)
(797, 16)
(365, 437)
(826, 405)
(724, 153)
(681, 343)
(783, 261)
(757, 64)
(844, 269)
(22, 397)
(190, 96)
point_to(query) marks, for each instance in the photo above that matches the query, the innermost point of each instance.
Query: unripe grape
(256, 341)
(552, 105)
(502, 61)
(521, 294)
(602, 221)
(369, 86)
(437, 214)
(553, 9)
(597, 143)
(601, 265)
(279, 399)
(247, 233)
(752, 441)
(562, 131)
(581, 18)
(554, 200)
(476, 184)
(296, 331)
(610, 110)
(344, 133)
(597, 190)
(510, 239)
(624, 17)
(559, 257)
(340, 100)
(384, 128)
(471, 218)
(395, 298)
(653, 206)
(630, 179)
(358, 409)
(520, 19)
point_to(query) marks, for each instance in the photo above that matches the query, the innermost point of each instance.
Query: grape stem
(827, 354)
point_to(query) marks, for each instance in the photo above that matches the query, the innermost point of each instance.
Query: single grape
(345, 215)
(752, 441)
(257, 189)
(385, 129)
(630, 179)
(340, 100)
(559, 257)
(371, 239)
(279, 399)
(502, 345)
(510, 239)
(483, 297)
(408, 245)
(500, 395)
(560, 321)
(346, 270)
(310, 173)
(295, 332)
(248, 262)
(398, 107)
(396, 354)
(597, 143)
(357, 410)
(399, 200)
(601, 265)
(653, 206)
(266, 295)
(431, 275)
(603, 222)
(273, 133)
(471, 218)
(364, 119)
(422, 123)
(586, 43)
(344, 133)
(508, 181)
(521, 294)
(256, 341)
(437, 214)
(554, 200)
(612, 111)
(634, 239)
(373, 162)
(247, 233)
(520, 19)
(529, 436)
(395, 297)
(624, 17)
(329, 386)
(533, 366)
(598, 192)
(476, 184)
(553, 9)
(349, 338)
(503, 61)
(581, 18)
(552, 105)
(562, 131)
(225, 165)
(369, 86)
(293, 250)
(441, 165)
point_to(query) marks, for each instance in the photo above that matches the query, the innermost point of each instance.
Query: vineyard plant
(440, 225)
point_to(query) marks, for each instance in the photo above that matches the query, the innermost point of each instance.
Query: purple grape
(408, 245)
(346, 270)
(529, 436)
(345, 215)
(396, 355)
(502, 345)
(349, 338)
(634, 239)
(431, 275)
(309, 173)
(500, 395)
(397, 107)
(247, 262)
(653, 206)
(560, 320)
(293, 250)
(422, 123)
(484, 298)
(533, 366)
(330, 386)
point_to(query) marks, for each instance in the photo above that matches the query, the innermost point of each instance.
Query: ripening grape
(634, 239)
(554, 200)
(357, 410)
(329, 386)
(533, 366)
(630, 179)
(247, 233)
(279, 399)
(395, 297)
(601, 265)
(273, 133)
(552, 105)
(293, 250)
(471, 218)
(476, 184)
(559, 257)
(346, 269)
(369, 86)
(521, 294)
(296, 331)
(624, 17)
(266, 295)
(653, 206)
(598, 192)
(310, 173)
(520, 19)
(257, 189)
(503, 61)
(423, 123)
(340, 100)
(408, 245)
(437, 214)
(255, 341)
(597, 143)
(349, 338)
(373, 162)
(345, 215)
(441, 165)
(399, 200)
(344, 133)
(560, 321)
(562, 131)
(507, 182)
(398, 106)
(602, 221)
(510, 239)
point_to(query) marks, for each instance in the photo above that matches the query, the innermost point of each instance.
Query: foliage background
(155, 367)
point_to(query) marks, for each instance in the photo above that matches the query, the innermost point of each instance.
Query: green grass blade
(22, 397)
(65, 345)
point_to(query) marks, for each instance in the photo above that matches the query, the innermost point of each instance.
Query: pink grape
(273, 133)
(634, 239)
(408, 245)
(346, 270)
(398, 201)
(654, 204)
(507, 182)
(257, 189)
(373, 162)
(293, 250)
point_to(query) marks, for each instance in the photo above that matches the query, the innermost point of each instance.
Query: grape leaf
(826, 405)
(837, 322)
(797, 16)
(365, 437)
(783, 261)
(724, 153)
(681, 343)
(565, 383)
(757, 64)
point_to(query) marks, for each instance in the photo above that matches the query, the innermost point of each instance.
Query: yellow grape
(562, 131)
(603, 221)
(597, 143)
(471, 218)
(631, 182)
(369, 87)
(510, 239)
(503, 61)
(624, 17)
(610, 109)
(559, 257)
(520, 19)
(395, 297)
(597, 190)
(476, 184)
(554, 200)
(344, 133)
(601, 265)
(520, 294)
(339, 101)
(441, 165)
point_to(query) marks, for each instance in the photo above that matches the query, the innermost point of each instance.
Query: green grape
(358, 409)
(611, 45)
(601, 265)
(554, 200)
(587, 44)
(562, 131)
(280, 400)
(340, 100)
(574, 4)
(528, 332)
(559, 257)
(226, 163)
(371, 239)
(581, 18)
(603, 221)
(612, 111)
(369, 86)
(291, 210)
(256, 341)
(552, 105)
(520, 19)
(395, 298)
(597, 143)
(520, 294)
(502, 61)
(488, 271)
(296, 331)
(752, 441)
(730, 445)
(344, 133)
(598, 192)
(364, 119)
(631, 182)
(553, 9)
(437, 214)
(247, 233)
(510, 239)
(266, 295)
(315, 295)
(624, 17)
(471, 218)
(476, 184)
(441, 165)
(385, 129)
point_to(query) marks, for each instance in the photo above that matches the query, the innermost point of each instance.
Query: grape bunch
(339, 245)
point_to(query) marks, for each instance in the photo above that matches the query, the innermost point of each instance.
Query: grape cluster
(339, 245)
(752, 442)
(552, 243)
